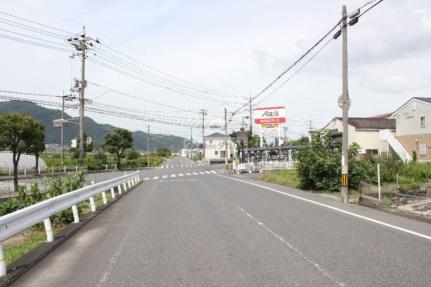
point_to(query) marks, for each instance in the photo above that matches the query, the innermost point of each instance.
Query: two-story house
(413, 122)
(364, 132)
(215, 150)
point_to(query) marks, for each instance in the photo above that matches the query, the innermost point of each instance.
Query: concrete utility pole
(62, 131)
(203, 113)
(225, 140)
(251, 117)
(81, 44)
(344, 102)
(148, 146)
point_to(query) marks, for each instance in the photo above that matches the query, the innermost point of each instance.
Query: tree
(163, 152)
(117, 142)
(254, 141)
(20, 134)
(38, 145)
(319, 165)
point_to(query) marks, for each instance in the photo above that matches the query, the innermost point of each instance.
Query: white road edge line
(333, 208)
(291, 247)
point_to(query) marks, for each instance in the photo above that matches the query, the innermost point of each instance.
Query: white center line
(147, 178)
(195, 173)
(173, 175)
(291, 247)
(207, 172)
(165, 176)
(189, 173)
(202, 172)
(181, 174)
(333, 208)
(156, 177)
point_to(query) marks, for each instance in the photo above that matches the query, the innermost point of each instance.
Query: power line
(272, 83)
(297, 71)
(34, 22)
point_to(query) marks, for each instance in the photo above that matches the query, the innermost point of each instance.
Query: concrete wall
(408, 118)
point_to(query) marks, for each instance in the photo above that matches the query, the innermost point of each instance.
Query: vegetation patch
(287, 177)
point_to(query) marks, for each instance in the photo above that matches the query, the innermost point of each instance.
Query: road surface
(192, 226)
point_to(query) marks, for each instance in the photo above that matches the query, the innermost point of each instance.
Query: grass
(386, 201)
(21, 244)
(287, 177)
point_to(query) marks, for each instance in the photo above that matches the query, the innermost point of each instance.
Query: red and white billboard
(269, 115)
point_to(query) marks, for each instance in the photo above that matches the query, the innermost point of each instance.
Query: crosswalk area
(180, 165)
(184, 174)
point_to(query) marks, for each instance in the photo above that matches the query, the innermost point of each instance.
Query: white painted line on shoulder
(147, 178)
(333, 208)
(156, 177)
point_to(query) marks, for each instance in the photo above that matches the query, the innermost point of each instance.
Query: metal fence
(262, 166)
(15, 222)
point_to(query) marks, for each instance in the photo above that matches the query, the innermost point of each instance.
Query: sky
(236, 47)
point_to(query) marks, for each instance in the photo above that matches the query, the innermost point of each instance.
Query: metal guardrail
(15, 222)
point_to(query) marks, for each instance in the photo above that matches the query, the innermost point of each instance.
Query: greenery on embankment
(287, 177)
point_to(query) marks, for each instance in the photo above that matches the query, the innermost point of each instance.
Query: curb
(373, 203)
(18, 268)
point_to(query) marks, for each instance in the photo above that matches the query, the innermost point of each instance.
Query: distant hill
(92, 128)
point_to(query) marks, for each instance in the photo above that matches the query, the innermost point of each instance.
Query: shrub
(133, 154)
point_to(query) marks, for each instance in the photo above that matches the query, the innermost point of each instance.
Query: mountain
(92, 128)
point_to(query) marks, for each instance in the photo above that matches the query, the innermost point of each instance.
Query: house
(215, 150)
(365, 131)
(413, 122)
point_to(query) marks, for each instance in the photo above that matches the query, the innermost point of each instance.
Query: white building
(215, 150)
(413, 120)
(365, 132)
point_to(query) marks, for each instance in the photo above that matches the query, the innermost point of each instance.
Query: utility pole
(344, 102)
(225, 140)
(148, 146)
(285, 136)
(62, 131)
(251, 117)
(203, 113)
(81, 44)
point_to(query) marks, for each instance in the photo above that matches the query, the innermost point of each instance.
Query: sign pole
(261, 136)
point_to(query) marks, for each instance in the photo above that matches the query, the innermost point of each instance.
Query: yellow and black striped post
(344, 180)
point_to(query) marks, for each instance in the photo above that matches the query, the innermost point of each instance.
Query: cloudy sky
(236, 47)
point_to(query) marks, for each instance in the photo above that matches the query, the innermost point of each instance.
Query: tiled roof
(371, 123)
(423, 99)
(215, 135)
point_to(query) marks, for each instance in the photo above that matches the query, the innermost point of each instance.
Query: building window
(211, 141)
(372, 151)
(222, 154)
(423, 122)
(216, 152)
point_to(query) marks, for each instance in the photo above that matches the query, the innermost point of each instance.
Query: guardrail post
(105, 201)
(2, 263)
(119, 189)
(48, 230)
(124, 187)
(76, 168)
(112, 193)
(92, 204)
(75, 214)
(65, 168)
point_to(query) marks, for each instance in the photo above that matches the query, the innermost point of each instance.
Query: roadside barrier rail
(17, 221)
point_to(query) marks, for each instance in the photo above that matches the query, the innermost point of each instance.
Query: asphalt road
(205, 229)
